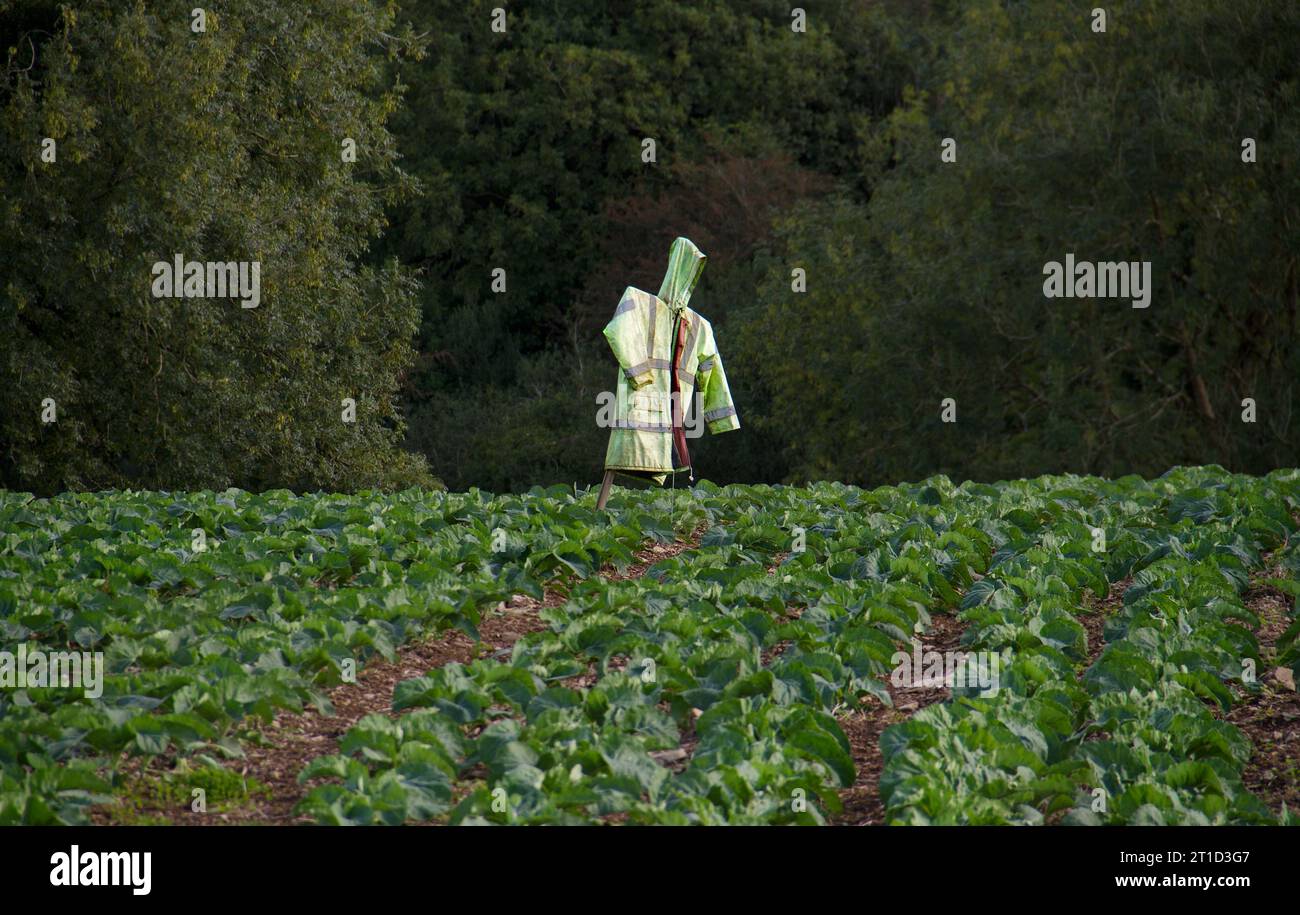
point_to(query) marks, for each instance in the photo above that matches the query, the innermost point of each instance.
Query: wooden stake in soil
(604, 490)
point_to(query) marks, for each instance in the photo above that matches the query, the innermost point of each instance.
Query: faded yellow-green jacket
(641, 334)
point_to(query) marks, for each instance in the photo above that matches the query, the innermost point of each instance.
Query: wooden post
(604, 490)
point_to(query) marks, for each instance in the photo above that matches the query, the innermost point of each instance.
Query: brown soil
(282, 748)
(1093, 615)
(649, 555)
(862, 804)
(1270, 718)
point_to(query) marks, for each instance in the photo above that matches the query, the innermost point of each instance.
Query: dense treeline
(530, 147)
(129, 139)
(523, 151)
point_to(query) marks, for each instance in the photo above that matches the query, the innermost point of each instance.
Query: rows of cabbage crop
(677, 653)
(704, 692)
(1142, 728)
(679, 663)
(210, 608)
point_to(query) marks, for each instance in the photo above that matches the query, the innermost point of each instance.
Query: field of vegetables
(721, 681)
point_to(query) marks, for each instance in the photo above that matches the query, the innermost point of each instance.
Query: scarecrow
(666, 353)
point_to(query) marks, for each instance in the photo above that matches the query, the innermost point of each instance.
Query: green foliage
(528, 148)
(704, 691)
(684, 712)
(147, 799)
(1135, 739)
(522, 150)
(1123, 146)
(212, 608)
(924, 277)
(523, 139)
(219, 146)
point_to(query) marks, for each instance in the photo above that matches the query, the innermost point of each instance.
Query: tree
(528, 143)
(1117, 146)
(220, 140)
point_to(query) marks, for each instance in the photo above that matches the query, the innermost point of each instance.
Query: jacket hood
(685, 264)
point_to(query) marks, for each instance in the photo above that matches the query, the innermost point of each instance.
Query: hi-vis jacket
(646, 333)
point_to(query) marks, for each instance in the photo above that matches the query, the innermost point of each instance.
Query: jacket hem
(647, 469)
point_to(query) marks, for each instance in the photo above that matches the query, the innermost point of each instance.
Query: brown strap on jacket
(679, 409)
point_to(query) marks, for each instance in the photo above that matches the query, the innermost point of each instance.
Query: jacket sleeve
(626, 333)
(711, 382)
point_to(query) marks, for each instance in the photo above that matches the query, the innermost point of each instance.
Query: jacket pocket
(648, 407)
